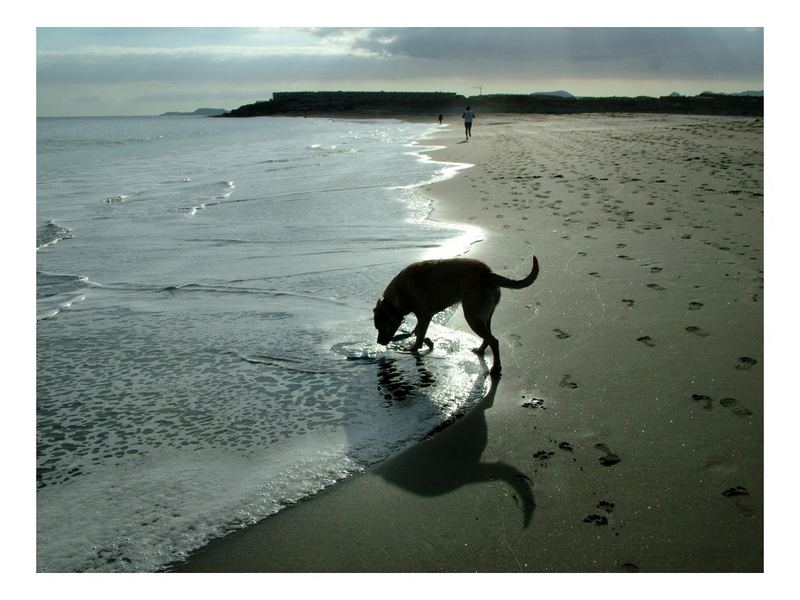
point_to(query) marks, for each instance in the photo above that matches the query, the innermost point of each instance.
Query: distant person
(468, 116)
(440, 119)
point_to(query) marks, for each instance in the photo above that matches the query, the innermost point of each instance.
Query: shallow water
(205, 349)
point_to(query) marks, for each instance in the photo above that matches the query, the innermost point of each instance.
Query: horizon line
(188, 113)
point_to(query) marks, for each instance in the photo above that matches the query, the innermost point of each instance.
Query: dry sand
(626, 433)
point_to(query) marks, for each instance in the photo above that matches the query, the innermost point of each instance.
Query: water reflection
(392, 381)
(450, 460)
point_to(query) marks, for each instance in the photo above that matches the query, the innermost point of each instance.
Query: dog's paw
(418, 346)
(402, 336)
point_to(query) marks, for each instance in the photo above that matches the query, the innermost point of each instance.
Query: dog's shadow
(451, 460)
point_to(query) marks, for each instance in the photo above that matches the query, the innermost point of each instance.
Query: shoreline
(422, 149)
(573, 462)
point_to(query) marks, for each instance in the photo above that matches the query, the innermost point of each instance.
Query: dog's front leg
(422, 328)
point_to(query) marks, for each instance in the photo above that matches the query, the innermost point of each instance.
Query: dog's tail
(501, 281)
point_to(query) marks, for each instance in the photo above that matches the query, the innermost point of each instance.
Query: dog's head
(387, 321)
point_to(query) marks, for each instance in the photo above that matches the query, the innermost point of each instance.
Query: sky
(122, 70)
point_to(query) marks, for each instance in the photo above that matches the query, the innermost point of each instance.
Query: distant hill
(393, 104)
(759, 93)
(558, 94)
(200, 112)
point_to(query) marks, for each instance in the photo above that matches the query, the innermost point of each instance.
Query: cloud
(118, 66)
(181, 96)
(240, 55)
(672, 51)
(86, 99)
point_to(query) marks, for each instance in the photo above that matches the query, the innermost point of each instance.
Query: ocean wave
(52, 311)
(318, 152)
(51, 233)
(221, 241)
(56, 292)
(219, 191)
(209, 289)
(287, 363)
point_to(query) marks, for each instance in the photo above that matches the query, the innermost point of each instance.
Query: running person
(468, 116)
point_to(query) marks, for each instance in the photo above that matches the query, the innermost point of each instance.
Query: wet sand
(626, 433)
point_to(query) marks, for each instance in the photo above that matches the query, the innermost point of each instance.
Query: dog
(428, 287)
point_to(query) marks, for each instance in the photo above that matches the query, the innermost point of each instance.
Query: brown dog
(428, 287)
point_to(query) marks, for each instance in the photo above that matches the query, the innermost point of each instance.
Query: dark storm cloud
(672, 51)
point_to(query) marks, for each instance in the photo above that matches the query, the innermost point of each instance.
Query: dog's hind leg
(490, 341)
(479, 318)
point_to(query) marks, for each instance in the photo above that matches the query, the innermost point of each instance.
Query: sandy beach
(626, 433)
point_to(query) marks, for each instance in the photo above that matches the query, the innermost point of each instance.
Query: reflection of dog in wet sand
(428, 287)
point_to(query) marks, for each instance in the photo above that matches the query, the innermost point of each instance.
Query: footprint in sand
(606, 506)
(656, 269)
(515, 340)
(695, 305)
(533, 403)
(730, 404)
(594, 274)
(697, 331)
(746, 363)
(740, 494)
(736, 491)
(628, 302)
(629, 568)
(544, 455)
(707, 400)
(610, 458)
(566, 383)
(598, 520)
(561, 334)
(565, 446)
(647, 341)
(655, 286)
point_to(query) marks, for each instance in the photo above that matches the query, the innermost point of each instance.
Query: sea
(205, 349)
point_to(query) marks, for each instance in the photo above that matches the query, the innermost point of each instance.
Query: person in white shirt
(468, 116)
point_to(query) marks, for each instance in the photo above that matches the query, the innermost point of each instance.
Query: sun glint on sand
(626, 433)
